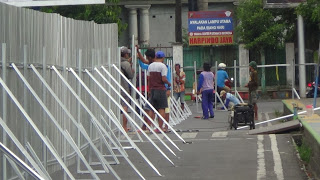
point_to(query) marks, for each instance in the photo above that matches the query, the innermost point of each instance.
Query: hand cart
(242, 114)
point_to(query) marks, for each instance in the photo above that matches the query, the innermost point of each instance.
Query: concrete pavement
(214, 152)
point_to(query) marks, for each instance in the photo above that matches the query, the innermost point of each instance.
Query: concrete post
(243, 61)
(263, 72)
(133, 23)
(202, 5)
(177, 53)
(289, 58)
(144, 26)
(302, 68)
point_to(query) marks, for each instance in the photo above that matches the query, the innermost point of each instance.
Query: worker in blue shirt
(222, 76)
(228, 97)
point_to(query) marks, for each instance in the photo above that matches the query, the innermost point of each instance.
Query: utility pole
(178, 27)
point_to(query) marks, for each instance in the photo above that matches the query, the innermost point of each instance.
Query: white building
(153, 21)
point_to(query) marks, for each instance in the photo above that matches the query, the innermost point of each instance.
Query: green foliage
(277, 112)
(101, 14)
(310, 11)
(305, 152)
(259, 28)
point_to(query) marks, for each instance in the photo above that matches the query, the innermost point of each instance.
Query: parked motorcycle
(228, 82)
(311, 86)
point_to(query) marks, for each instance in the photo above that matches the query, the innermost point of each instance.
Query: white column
(144, 26)
(289, 58)
(243, 61)
(302, 68)
(133, 23)
(177, 53)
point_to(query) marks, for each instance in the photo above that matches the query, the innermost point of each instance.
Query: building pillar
(144, 26)
(133, 23)
(177, 53)
(243, 61)
(289, 59)
(202, 5)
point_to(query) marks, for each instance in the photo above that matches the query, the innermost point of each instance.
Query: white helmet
(222, 66)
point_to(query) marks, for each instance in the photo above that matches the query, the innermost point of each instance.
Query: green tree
(101, 14)
(259, 28)
(310, 11)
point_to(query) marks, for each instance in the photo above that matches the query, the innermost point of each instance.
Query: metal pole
(108, 114)
(293, 77)
(109, 89)
(134, 67)
(317, 80)
(4, 108)
(131, 108)
(216, 86)
(44, 97)
(316, 87)
(78, 104)
(64, 97)
(95, 121)
(279, 118)
(235, 76)
(76, 123)
(302, 68)
(55, 122)
(25, 105)
(158, 114)
(18, 161)
(117, 83)
(196, 83)
(42, 137)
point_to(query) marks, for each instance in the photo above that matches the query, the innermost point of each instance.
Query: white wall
(162, 22)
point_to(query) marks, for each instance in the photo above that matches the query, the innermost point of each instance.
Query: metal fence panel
(37, 38)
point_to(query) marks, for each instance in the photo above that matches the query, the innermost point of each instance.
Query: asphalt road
(214, 152)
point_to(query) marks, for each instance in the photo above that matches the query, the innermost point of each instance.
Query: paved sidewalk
(311, 133)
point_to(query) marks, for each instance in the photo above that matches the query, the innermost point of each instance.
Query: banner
(210, 27)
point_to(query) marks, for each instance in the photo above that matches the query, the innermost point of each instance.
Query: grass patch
(277, 113)
(305, 152)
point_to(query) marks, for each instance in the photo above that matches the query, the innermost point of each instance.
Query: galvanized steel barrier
(61, 98)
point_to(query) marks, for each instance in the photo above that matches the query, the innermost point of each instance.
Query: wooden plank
(278, 128)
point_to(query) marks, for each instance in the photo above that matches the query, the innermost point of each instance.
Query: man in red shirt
(157, 74)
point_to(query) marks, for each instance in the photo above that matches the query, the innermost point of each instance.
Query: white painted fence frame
(64, 132)
(100, 127)
(77, 124)
(22, 164)
(134, 111)
(154, 110)
(52, 43)
(30, 121)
